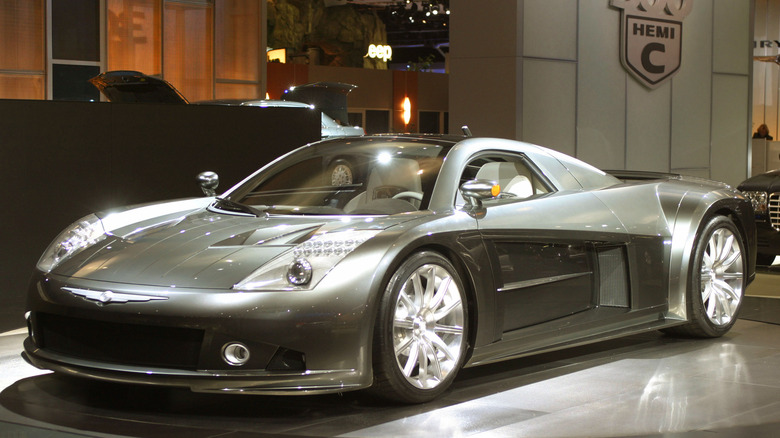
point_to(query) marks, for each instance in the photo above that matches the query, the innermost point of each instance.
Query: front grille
(774, 210)
(127, 344)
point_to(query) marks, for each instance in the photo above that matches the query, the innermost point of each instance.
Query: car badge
(107, 297)
(651, 38)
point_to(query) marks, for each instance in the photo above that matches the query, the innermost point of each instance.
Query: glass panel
(22, 86)
(22, 33)
(71, 82)
(79, 41)
(236, 91)
(377, 121)
(237, 39)
(134, 36)
(188, 47)
(429, 122)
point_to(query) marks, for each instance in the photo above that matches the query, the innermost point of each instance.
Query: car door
(549, 250)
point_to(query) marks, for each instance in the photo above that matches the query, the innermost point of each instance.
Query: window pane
(188, 49)
(377, 121)
(237, 39)
(71, 82)
(236, 91)
(81, 41)
(22, 33)
(22, 86)
(134, 40)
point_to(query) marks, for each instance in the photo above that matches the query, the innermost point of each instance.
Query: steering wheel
(411, 195)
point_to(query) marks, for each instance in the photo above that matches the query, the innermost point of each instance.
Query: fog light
(299, 272)
(235, 353)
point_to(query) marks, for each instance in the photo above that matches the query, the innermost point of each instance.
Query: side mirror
(208, 181)
(476, 190)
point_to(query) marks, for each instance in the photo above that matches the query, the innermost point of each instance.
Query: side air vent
(613, 278)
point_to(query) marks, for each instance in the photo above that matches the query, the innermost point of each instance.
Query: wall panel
(601, 87)
(549, 103)
(730, 124)
(647, 127)
(731, 41)
(550, 29)
(691, 94)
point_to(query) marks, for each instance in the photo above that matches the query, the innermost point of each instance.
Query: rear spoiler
(639, 175)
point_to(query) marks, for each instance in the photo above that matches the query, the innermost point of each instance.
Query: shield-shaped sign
(651, 39)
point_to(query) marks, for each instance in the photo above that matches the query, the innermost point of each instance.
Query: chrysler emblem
(107, 296)
(651, 38)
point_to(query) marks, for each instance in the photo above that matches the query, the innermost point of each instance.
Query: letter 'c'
(649, 66)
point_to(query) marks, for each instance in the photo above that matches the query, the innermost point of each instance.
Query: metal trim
(539, 281)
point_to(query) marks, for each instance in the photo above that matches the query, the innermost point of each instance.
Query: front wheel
(717, 280)
(420, 337)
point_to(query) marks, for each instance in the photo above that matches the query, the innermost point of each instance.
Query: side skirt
(565, 333)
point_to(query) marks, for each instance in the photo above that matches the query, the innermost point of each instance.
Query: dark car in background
(330, 98)
(764, 192)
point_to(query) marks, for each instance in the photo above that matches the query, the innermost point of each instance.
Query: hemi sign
(651, 38)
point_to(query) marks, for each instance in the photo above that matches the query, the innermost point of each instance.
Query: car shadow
(66, 403)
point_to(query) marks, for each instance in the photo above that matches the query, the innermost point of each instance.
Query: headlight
(306, 264)
(79, 235)
(759, 201)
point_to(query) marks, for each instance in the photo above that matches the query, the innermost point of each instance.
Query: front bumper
(767, 238)
(299, 342)
(252, 382)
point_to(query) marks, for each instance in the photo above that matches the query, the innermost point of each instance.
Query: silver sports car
(389, 263)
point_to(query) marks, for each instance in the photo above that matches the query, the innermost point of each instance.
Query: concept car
(389, 263)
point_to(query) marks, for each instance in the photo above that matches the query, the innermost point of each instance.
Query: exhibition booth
(531, 228)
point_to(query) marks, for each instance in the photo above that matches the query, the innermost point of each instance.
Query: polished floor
(645, 385)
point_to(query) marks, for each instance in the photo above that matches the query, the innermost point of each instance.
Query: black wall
(62, 160)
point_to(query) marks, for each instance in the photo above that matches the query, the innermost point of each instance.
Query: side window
(512, 172)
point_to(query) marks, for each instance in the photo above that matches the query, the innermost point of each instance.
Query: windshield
(365, 176)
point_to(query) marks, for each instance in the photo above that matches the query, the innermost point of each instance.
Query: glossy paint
(591, 259)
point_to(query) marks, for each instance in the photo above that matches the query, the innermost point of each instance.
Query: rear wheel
(421, 332)
(717, 280)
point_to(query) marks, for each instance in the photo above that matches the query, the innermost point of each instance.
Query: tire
(341, 173)
(765, 259)
(716, 280)
(421, 332)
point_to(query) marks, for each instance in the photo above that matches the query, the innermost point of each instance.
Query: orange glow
(496, 190)
(407, 106)
(278, 55)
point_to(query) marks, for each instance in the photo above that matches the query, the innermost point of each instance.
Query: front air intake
(287, 360)
(774, 210)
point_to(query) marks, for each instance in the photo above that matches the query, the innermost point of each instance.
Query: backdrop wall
(60, 161)
(549, 72)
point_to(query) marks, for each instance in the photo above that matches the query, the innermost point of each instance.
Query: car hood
(126, 86)
(766, 182)
(202, 248)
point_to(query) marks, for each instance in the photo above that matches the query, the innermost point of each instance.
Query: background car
(329, 98)
(330, 127)
(764, 193)
(386, 262)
